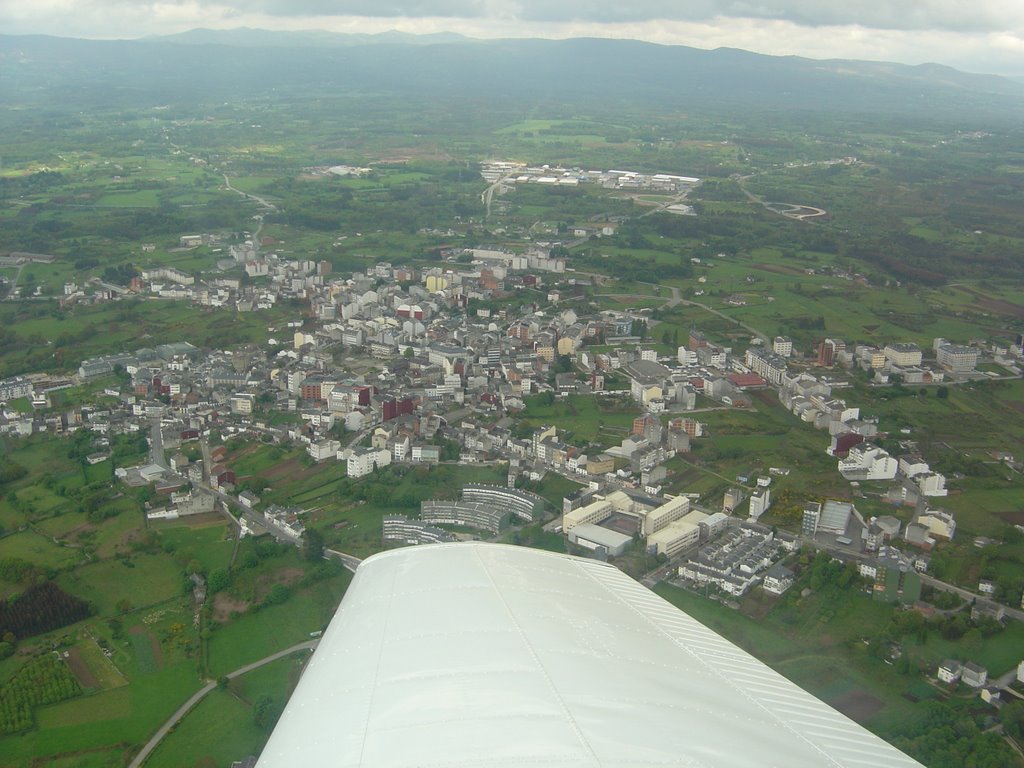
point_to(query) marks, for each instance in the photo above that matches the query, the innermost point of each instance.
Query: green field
(804, 640)
(221, 727)
(999, 653)
(102, 668)
(125, 716)
(206, 544)
(81, 332)
(141, 581)
(259, 633)
(254, 459)
(39, 550)
(582, 419)
(143, 198)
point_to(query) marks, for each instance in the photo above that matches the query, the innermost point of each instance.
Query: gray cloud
(954, 15)
(983, 36)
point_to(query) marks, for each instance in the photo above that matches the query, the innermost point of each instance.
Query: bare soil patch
(74, 535)
(287, 576)
(290, 468)
(205, 520)
(224, 605)
(1013, 518)
(690, 475)
(779, 269)
(999, 306)
(245, 450)
(857, 705)
(621, 524)
(757, 604)
(81, 670)
(764, 396)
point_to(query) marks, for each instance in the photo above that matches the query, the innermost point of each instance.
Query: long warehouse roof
(484, 655)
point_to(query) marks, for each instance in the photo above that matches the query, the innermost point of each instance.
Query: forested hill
(211, 65)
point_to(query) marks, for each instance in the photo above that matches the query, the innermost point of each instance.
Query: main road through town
(199, 695)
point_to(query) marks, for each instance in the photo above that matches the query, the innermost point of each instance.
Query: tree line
(40, 608)
(43, 680)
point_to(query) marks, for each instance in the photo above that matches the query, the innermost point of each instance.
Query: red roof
(747, 380)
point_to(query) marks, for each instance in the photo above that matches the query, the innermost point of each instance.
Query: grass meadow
(261, 632)
(221, 727)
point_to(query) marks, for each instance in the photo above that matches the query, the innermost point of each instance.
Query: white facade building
(868, 462)
(903, 355)
(363, 461)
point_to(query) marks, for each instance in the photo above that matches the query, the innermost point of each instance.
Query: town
(401, 365)
(755, 371)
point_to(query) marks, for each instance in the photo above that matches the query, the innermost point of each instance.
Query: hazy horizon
(985, 37)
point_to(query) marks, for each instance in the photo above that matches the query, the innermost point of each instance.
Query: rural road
(678, 299)
(14, 282)
(199, 695)
(733, 320)
(789, 214)
(487, 195)
(966, 594)
(262, 201)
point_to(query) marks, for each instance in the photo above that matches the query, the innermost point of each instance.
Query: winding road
(488, 194)
(202, 693)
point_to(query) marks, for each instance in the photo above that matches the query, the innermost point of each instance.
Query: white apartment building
(868, 462)
(903, 354)
(954, 357)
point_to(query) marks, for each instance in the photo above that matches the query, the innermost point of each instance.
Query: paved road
(966, 594)
(659, 207)
(14, 282)
(768, 205)
(156, 444)
(157, 454)
(686, 302)
(204, 445)
(351, 562)
(263, 202)
(488, 194)
(204, 691)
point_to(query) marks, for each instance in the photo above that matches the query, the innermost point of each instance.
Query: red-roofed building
(747, 380)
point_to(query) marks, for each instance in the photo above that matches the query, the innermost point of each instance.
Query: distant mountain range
(246, 37)
(222, 64)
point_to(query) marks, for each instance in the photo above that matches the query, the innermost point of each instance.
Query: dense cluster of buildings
(483, 507)
(513, 173)
(739, 559)
(613, 520)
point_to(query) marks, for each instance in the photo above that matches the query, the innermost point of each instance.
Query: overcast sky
(976, 36)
